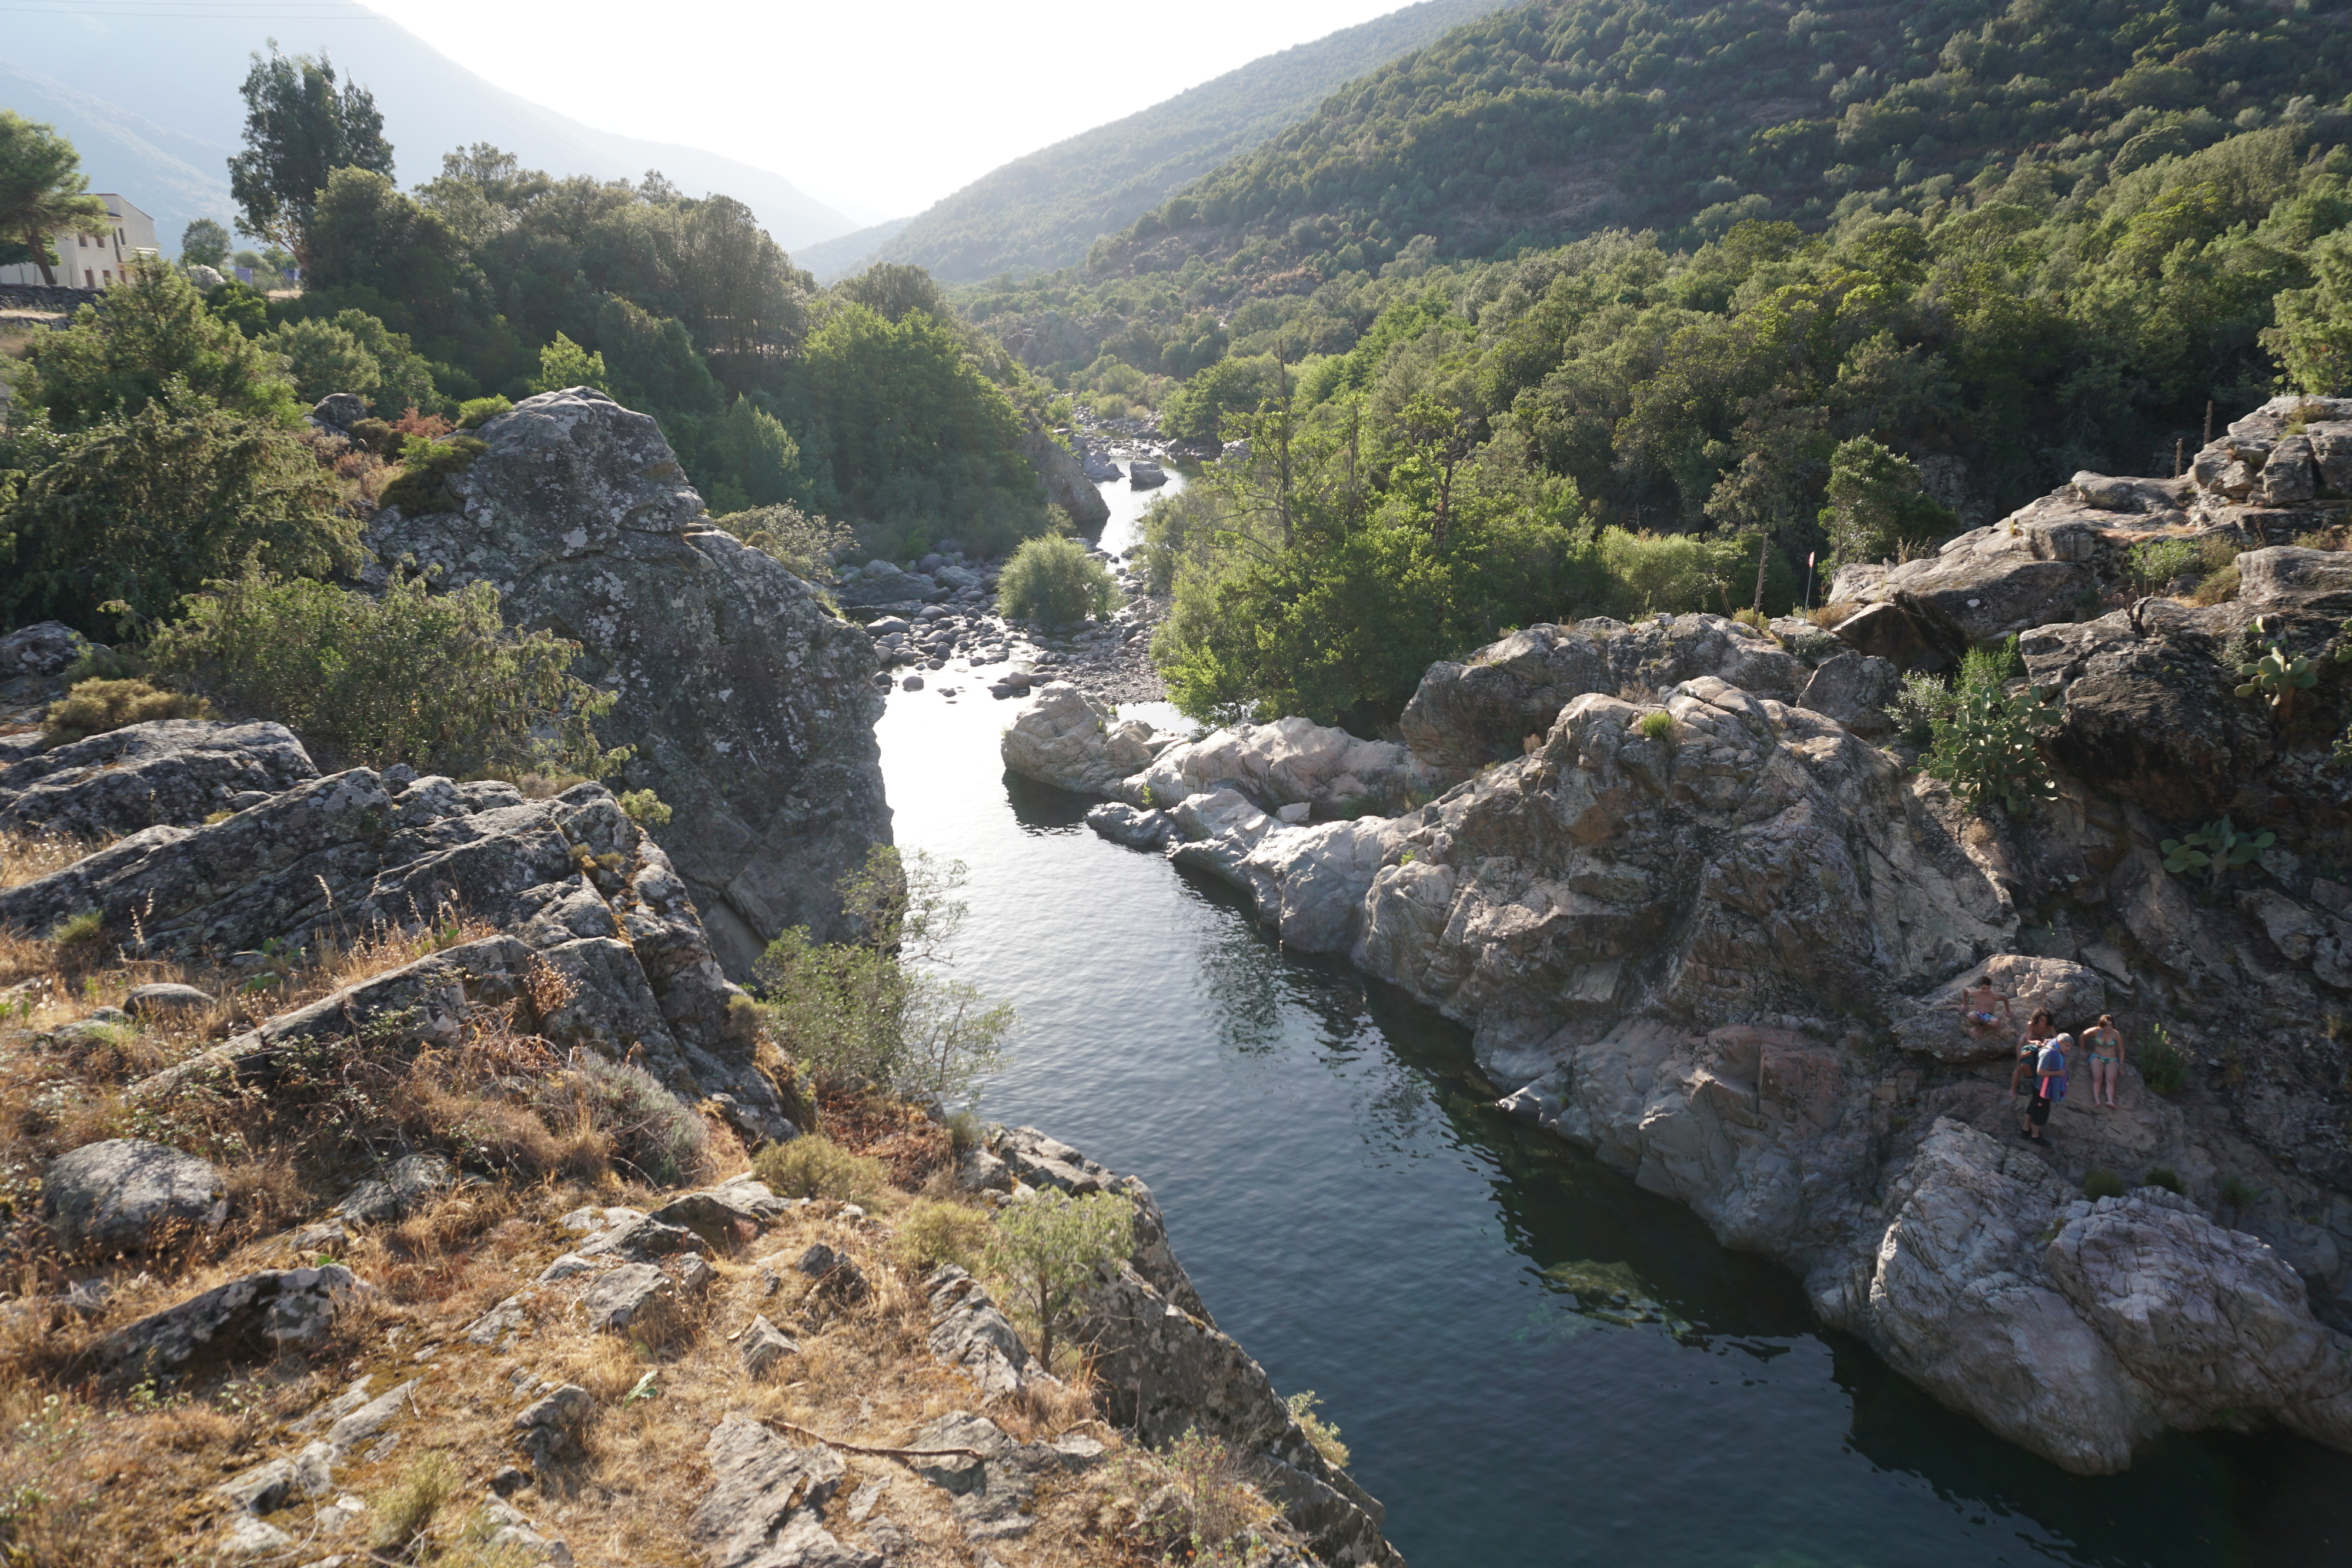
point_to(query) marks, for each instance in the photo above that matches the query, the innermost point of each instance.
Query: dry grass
(1828, 617)
(29, 856)
(90, 1476)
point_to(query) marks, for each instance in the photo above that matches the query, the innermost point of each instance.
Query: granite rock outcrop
(750, 705)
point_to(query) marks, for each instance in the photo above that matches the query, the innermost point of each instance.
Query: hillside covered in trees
(1042, 212)
(1663, 265)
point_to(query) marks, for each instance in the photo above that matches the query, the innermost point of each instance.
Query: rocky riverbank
(410, 1122)
(1702, 924)
(937, 629)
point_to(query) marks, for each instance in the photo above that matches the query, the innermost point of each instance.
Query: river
(1534, 1362)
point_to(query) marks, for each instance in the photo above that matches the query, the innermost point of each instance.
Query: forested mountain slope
(1042, 212)
(1551, 121)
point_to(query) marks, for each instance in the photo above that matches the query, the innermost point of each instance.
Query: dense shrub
(423, 485)
(933, 1233)
(802, 541)
(1053, 580)
(2163, 1066)
(658, 1137)
(2101, 1182)
(146, 509)
(436, 680)
(878, 1010)
(145, 339)
(93, 707)
(1878, 507)
(814, 1165)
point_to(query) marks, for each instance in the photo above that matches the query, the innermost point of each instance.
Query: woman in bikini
(2024, 1080)
(2105, 1045)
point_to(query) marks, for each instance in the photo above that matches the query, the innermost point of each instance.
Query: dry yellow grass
(91, 1476)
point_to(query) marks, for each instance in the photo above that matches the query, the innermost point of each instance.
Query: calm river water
(1534, 1362)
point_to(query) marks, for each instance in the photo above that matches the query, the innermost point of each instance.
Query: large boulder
(2151, 711)
(1749, 856)
(128, 1193)
(1068, 486)
(1484, 709)
(177, 771)
(1934, 1024)
(750, 707)
(2038, 565)
(1291, 762)
(1071, 740)
(2083, 1330)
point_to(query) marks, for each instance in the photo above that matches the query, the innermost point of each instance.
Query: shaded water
(1534, 1362)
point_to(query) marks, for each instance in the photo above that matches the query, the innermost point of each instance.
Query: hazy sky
(883, 107)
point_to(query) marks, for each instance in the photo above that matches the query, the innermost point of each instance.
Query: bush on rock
(434, 681)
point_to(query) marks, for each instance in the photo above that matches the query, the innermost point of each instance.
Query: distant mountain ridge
(1041, 213)
(165, 114)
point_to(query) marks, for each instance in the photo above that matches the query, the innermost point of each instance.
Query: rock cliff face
(750, 707)
(1700, 925)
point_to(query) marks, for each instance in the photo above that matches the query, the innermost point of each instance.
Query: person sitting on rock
(2049, 1084)
(2104, 1042)
(2029, 1052)
(1984, 1007)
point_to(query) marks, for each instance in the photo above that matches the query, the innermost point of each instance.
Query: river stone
(747, 700)
(1123, 824)
(125, 1193)
(177, 771)
(1291, 761)
(1074, 741)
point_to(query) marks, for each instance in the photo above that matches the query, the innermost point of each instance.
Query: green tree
(203, 243)
(323, 356)
(152, 333)
(146, 509)
(299, 128)
(42, 191)
(1877, 505)
(1049, 1245)
(437, 681)
(891, 290)
(2312, 338)
(565, 363)
(878, 1010)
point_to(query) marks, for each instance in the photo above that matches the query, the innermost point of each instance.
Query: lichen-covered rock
(766, 1503)
(44, 648)
(1755, 858)
(1071, 740)
(1068, 486)
(127, 1193)
(258, 1314)
(750, 705)
(1855, 690)
(969, 1329)
(177, 771)
(579, 888)
(2149, 711)
(1465, 716)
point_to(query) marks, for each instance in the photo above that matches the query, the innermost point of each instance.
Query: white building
(93, 259)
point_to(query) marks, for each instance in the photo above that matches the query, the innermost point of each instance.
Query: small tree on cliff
(1050, 1244)
(1877, 504)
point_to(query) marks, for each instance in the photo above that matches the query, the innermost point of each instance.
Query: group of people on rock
(2039, 1076)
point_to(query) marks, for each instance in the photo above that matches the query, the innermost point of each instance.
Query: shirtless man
(1984, 1009)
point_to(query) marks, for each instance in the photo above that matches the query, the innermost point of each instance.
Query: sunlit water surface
(1534, 1362)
